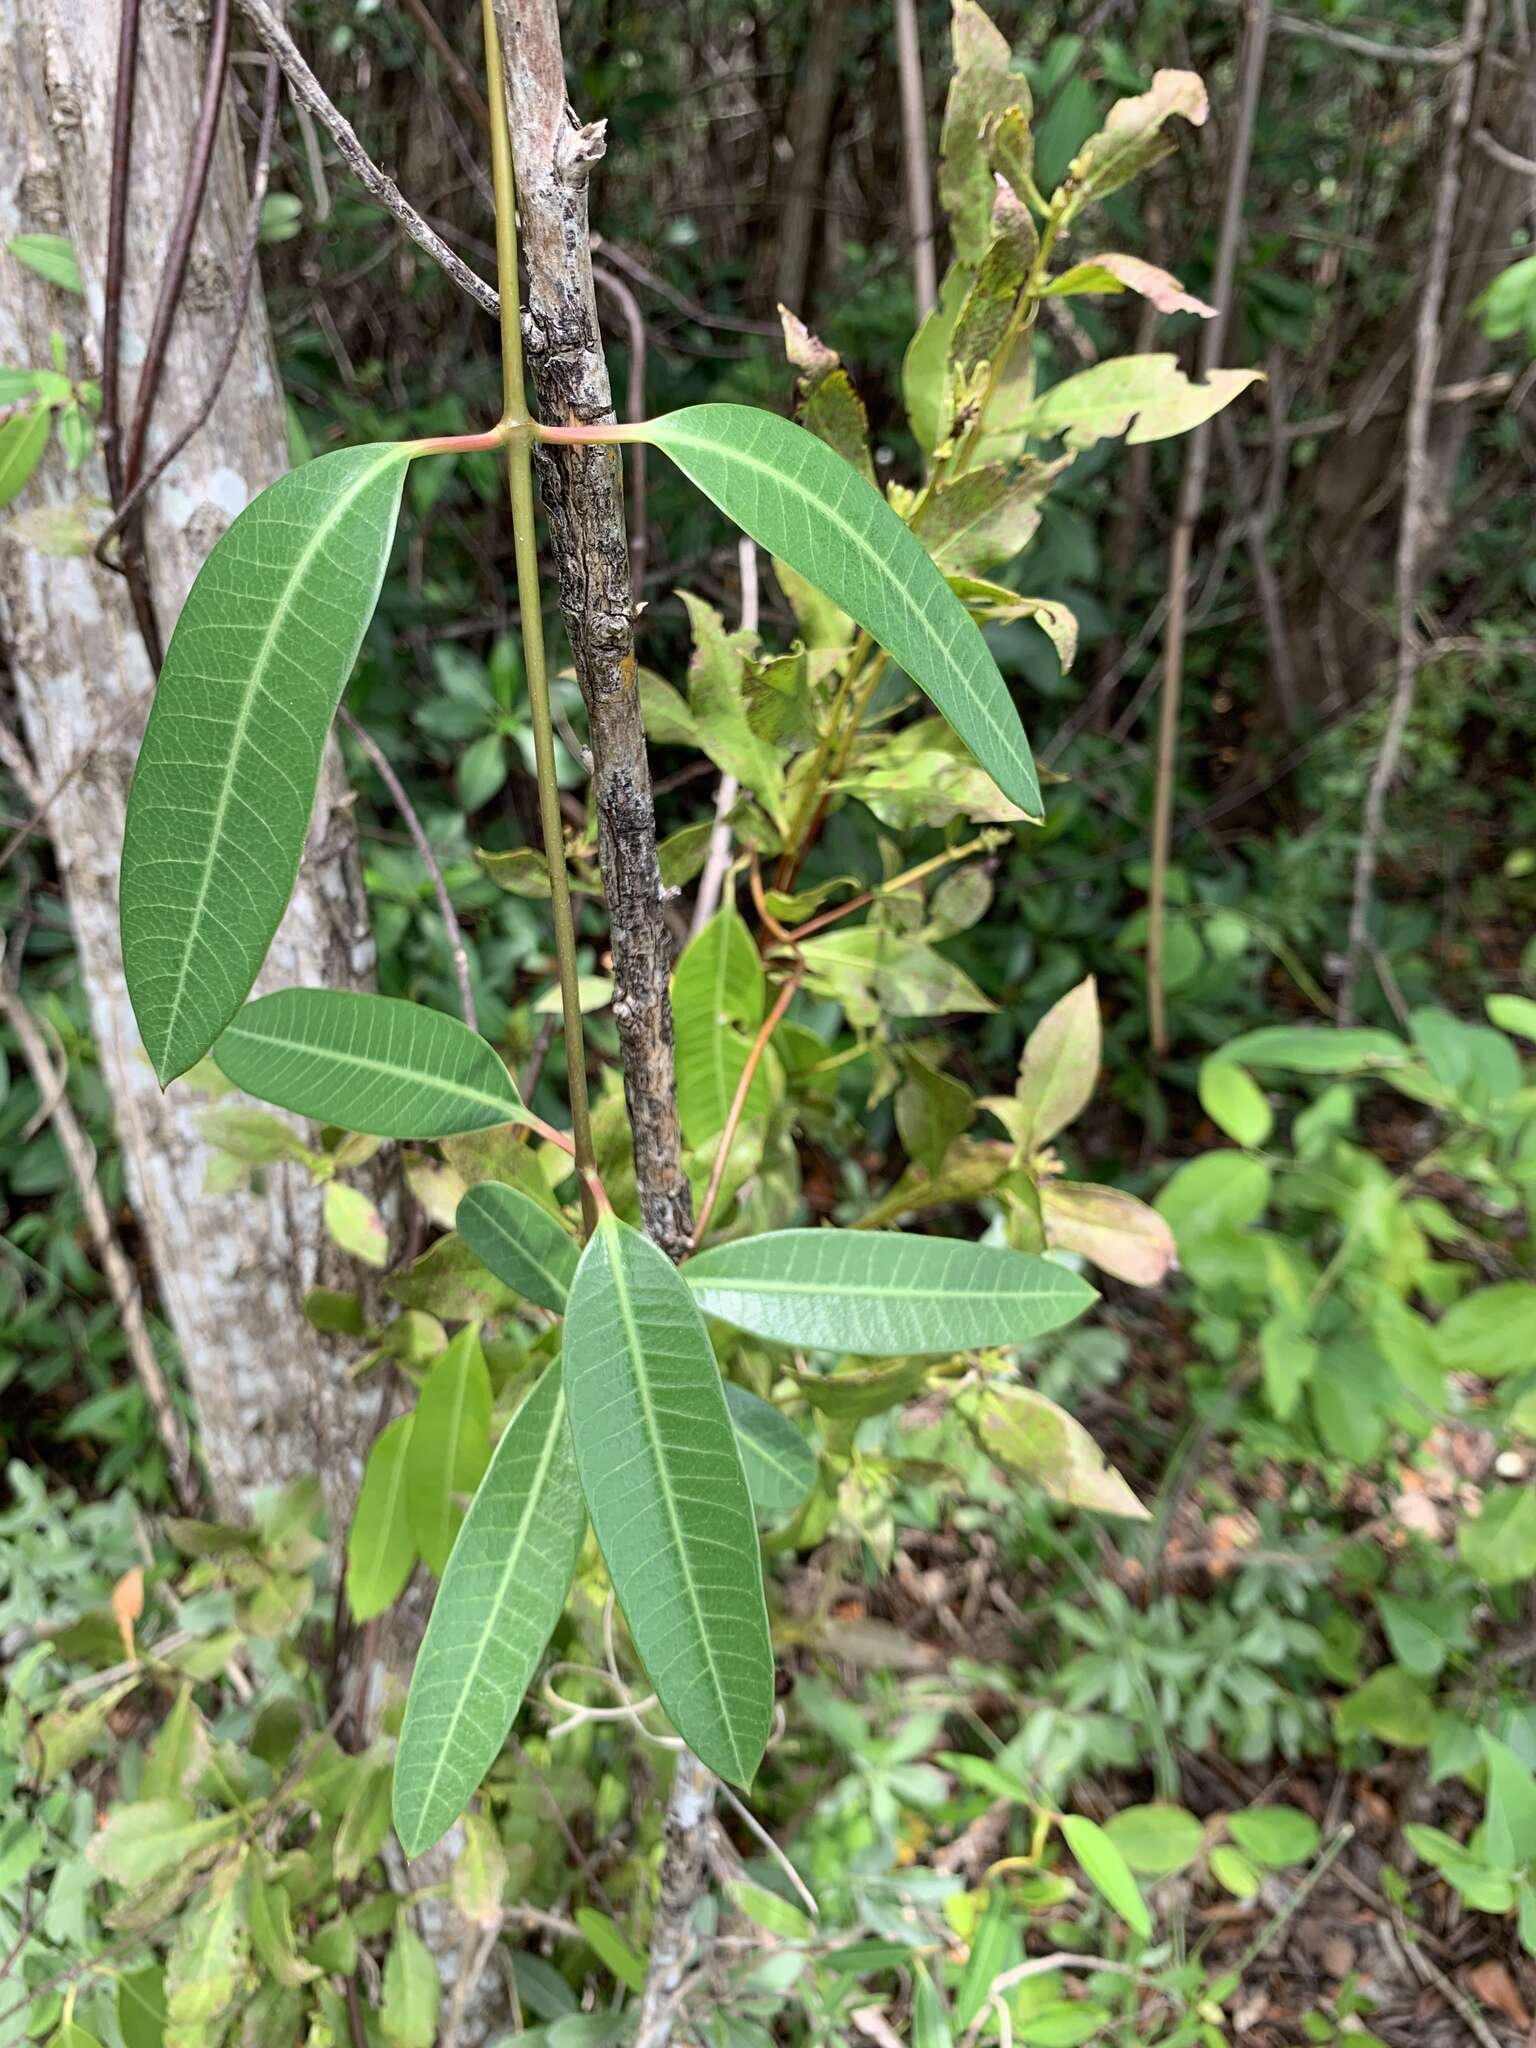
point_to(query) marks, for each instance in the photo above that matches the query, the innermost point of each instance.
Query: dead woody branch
(1411, 530)
(583, 495)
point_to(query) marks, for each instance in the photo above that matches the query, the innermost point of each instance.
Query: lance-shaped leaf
(667, 1495)
(225, 783)
(520, 1242)
(810, 509)
(449, 1445)
(1146, 398)
(368, 1063)
(780, 1465)
(1030, 1435)
(718, 986)
(380, 1546)
(879, 1294)
(1108, 1227)
(1132, 137)
(1116, 273)
(500, 1598)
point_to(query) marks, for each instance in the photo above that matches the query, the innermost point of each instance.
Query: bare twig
(423, 844)
(308, 92)
(914, 157)
(80, 1156)
(1191, 496)
(139, 490)
(1365, 46)
(179, 253)
(459, 73)
(1490, 145)
(682, 1875)
(717, 860)
(1416, 484)
(582, 490)
(770, 1024)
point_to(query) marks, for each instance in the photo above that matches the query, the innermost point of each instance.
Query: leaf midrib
(366, 1061)
(614, 1246)
(873, 1290)
(514, 1557)
(280, 613)
(888, 576)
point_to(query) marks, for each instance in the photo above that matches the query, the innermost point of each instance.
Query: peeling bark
(583, 494)
(272, 1398)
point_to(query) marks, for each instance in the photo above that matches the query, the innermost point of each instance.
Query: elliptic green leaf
(23, 438)
(717, 986)
(380, 1546)
(780, 1465)
(809, 508)
(667, 1495)
(500, 1598)
(521, 1243)
(449, 1445)
(225, 783)
(1234, 1101)
(1107, 1870)
(879, 1294)
(368, 1063)
(1275, 1836)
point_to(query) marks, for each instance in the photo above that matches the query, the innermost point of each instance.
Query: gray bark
(271, 1396)
(583, 494)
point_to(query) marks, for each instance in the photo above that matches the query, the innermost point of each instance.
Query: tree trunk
(271, 1397)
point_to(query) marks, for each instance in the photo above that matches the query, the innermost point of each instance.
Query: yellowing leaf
(1030, 1435)
(1132, 138)
(1146, 398)
(1117, 273)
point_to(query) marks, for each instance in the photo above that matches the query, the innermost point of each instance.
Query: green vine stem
(514, 431)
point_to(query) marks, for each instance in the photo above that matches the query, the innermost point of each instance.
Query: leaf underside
(368, 1063)
(882, 1294)
(521, 1243)
(812, 509)
(500, 1598)
(225, 783)
(669, 1501)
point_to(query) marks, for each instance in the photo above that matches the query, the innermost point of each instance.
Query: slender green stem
(515, 431)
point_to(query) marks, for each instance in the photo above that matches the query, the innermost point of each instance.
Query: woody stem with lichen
(514, 429)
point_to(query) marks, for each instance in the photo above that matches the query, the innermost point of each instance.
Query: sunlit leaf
(221, 798)
(664, 1485)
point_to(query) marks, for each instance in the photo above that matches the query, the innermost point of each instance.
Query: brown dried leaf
(128, 1607)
